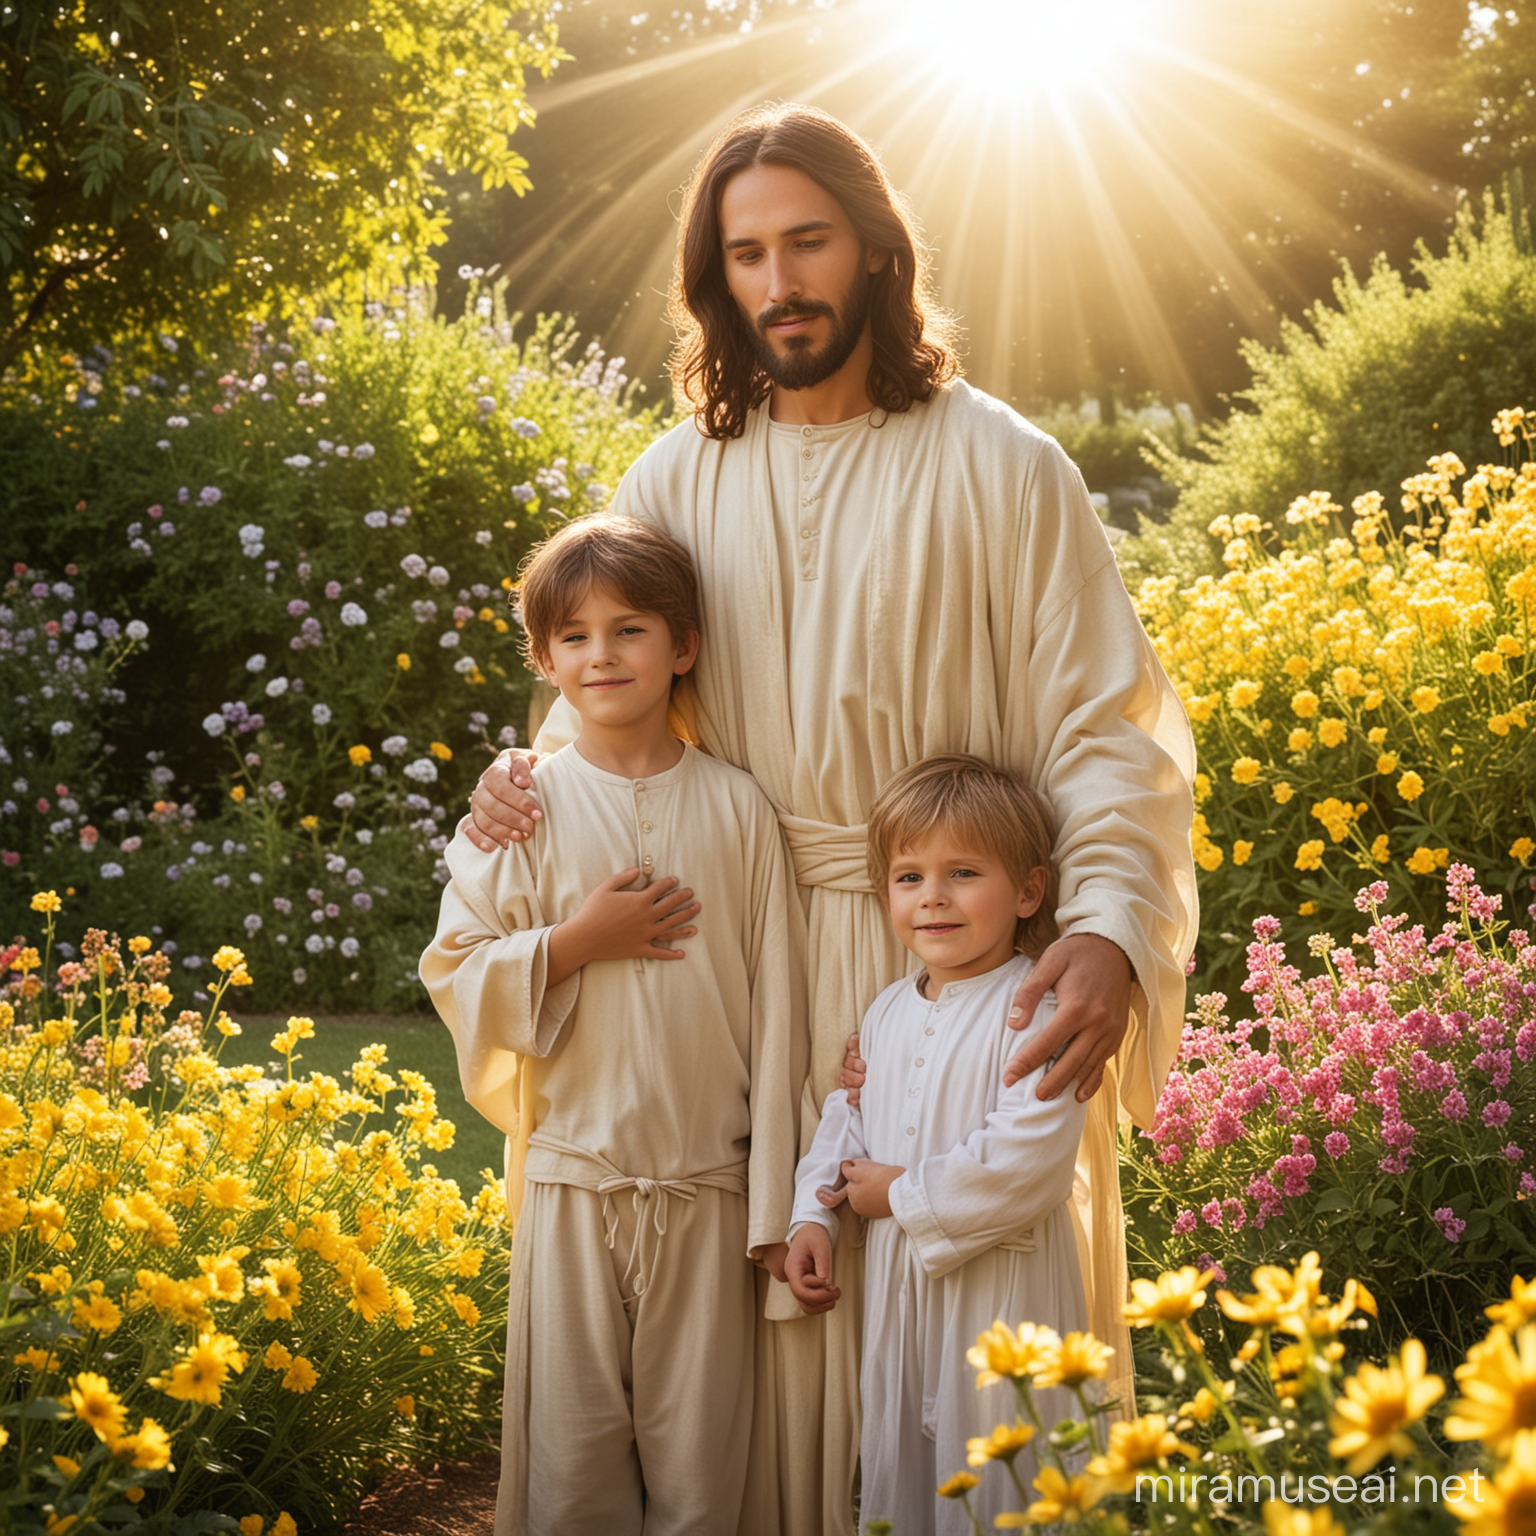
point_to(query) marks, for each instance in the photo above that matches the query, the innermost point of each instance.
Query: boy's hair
(965, 796)
(645, 567)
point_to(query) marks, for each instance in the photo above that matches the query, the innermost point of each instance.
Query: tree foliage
(178, 163)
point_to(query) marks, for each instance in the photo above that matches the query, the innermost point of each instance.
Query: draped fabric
(983, 613)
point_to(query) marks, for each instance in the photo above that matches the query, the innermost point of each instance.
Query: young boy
(964, 1183)
(642, 1042)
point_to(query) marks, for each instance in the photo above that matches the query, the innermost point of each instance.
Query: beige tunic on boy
(651, 1110)
(873, 594)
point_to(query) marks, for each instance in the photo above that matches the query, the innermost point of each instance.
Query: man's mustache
(777, 314)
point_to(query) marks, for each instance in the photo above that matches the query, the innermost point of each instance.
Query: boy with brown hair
(965, 1183)
(645, 1052)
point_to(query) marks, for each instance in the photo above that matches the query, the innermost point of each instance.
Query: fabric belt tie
(826, 855)
(655, 1193)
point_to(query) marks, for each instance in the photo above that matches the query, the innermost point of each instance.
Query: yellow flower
(1519, 1309)
(284, 1525)
(1387, 763)
(405, 1406)
(1202, 787)
(1173, 1295)
(370, 1292)
(278, 1288)
(1331, 732)
(1508, 645)
(1060, 1501)
(958, 1486)
(1281, 1519)
(1499, 724)
(1307, 909)
(1488, 662)
(1003, 1444)
(96, 1404)
(1410, 786)
(1381, 848)
(1425, 861)
(403, 662)
(309, 823)
(1310, 854)
(361, 756)
(1282, 793)
(100, 1313)
(1425, 699)
(1299, 740)
(1378, 1405)
(1242, 693)
(1002, 1352)
(1242, 851)
(1499, 1383)
(237, 794)
(1374, 699)
(46, 901)
(1506, 1506)
(1348, 682)
(200, 1374)
(1522, 848)
(300, 1376)
(1140, 1443)
(1245, 770)
(228, 958)
(277, 1357)
(1297, 666)
(252, 1525)
(1304, 703)
(149, 1449)
(1205, 1404)
(1078, 1358)
(67, 1465)
(441, 751)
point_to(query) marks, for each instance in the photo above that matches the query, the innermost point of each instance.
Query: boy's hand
(854, 1071)
(869, 1185)
(809, 1270)
(501, 809)
(619, 924)
(772, 1259)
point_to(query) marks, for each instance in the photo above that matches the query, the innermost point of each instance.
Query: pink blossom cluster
(1402, 1045)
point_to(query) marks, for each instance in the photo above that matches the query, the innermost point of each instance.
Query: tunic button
(805, 533)
(805, 431)
(929, 1030)
(807, 453)
(645, 826)
(911, 1130)
(647, 861)
(912, 1093)
(918, 1062)
(639, 789)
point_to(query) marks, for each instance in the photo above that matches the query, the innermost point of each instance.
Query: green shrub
(1394, 370)
(316, 532)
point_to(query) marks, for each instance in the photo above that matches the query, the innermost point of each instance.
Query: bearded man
(893, 564)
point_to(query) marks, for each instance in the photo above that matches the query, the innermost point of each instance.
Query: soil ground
(456, 1498)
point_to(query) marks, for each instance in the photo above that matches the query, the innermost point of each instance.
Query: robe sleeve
(486, 972)
(781, 1044)
(1002, 1179)
(839, 1136)
(1110, 748)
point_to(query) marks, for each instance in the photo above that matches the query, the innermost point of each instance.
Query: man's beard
(801, 367)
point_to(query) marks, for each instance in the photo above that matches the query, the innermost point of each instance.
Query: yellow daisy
(1171, 1297)
(1003, 1444)
(1499, 1383)
(1379, 1403)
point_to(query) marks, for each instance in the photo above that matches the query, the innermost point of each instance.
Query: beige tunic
(654, 1100)
(967, 592)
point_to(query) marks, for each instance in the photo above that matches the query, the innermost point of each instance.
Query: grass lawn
(417, 1041)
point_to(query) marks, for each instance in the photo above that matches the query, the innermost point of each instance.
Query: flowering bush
(1277, 1437)
(306, 546)
(219, 1292)
(1361, 703)
(1383, 1111)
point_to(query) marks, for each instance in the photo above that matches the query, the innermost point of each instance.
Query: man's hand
(869, 1185)
(808, 1269)
(501, 809)
(1091, 978)
(772, 1259)
(854, 1070)
(619, 924)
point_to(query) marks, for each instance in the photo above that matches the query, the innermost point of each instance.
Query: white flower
(256, 663)
(424, 610)
(395, 746)
(111, 871)
(300, 975)
(438, 576)
(414, 565)
(484, 536)
(252, 923)
(364, 836)
(350, 947)
(298, 461)
(314, 944)
(353, 616)
(324, 445)
(86, 640)
(376, 519)
(252, 533)
(422, 769)
(448, 639)
(62, 727)
(465, 665)
(363, 451)
(345, 800)
(137, 629)
(321, 714)
(214, 724)
(277, 687)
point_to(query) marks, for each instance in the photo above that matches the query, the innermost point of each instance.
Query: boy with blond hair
(965, 1184)
(643, 1044)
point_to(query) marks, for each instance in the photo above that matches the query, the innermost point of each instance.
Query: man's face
(799, 271)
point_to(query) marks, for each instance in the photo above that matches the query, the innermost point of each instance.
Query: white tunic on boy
(980, 1230)
(651, 1111)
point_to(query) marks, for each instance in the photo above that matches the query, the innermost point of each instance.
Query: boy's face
(954, 905)
(614, 663)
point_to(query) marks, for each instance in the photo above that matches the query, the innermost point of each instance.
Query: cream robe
(980, 1229)
(656, 1087)
(986, 616)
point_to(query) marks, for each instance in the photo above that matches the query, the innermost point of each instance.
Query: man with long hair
(893, 564)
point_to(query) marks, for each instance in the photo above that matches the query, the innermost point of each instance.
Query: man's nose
(784, 281)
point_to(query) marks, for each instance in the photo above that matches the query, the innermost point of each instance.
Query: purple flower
(209, 496)
(1515, 1153)
(1210, 1213)
(1450, 1224)
(297, 608)
(333, 590)
(362, 900)
(1336, 1144)
(1495, 1113)
(1183, 1224)
(1454, 1105)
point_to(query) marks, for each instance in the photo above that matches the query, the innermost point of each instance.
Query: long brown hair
(715, 367)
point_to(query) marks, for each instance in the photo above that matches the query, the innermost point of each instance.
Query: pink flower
(1336, 1144)
(1210, 1213)
(1495, 1113)
(1527, 1185)
(1184, 1223)
(1450, 1224)
(1454, 1105)
(1514, 1153)
(1205, 1261)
